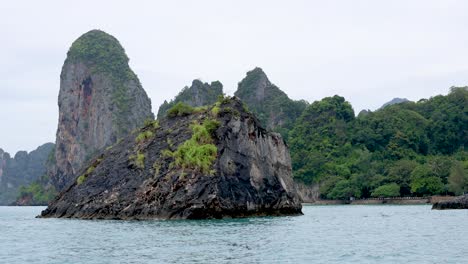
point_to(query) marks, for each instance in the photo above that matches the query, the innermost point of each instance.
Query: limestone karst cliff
(210, 162)
(273, 107)
(198, 94)
(100, 101)
(20, 170)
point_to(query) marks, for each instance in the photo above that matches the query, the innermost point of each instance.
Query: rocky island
(460, 202)
(206, 162)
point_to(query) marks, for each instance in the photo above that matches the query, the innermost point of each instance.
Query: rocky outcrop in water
(20, 170)
(100, 101)
(272, 106)
(213, 162)
(198, 94)
(460, 202)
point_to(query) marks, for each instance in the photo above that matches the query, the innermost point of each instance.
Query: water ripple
(325, 234)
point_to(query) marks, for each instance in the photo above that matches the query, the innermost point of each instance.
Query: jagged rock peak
(100, 101)
(198, 94)
(208, 162)
(21, 170)
(271, 105)
(101, 51)
(257, 82)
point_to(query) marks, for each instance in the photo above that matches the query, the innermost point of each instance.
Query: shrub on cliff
(198, 152)
(180, 109)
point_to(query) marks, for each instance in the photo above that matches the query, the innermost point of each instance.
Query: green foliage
(152, 123)
(320, 137)
(400, 173)
(274, 109)
(138, 160)
(101, 50)
(37, 192)
(343, 189)
(215, 110)
(81, 179)
(142, 136)
(156, 168)
(90, 170)
(198, 152)
(387, 190)
(211, 125)
(458, 179)
(200, 109)
(180, 109)
(413, 145)
(427, 186)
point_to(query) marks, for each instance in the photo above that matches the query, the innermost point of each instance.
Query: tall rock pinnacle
(100, 101)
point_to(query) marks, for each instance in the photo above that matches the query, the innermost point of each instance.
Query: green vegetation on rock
(103, 52)
(138, 160)
(142, 136)
(418, 146)
(36, 193)
(82, 178)
(387, 190)
(198, 152)
(197, 95)
(458, 179)
(180, 109)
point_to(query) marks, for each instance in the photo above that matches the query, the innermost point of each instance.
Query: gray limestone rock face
(100, 101)
(271, 105)
(141, 177)
(198, 94)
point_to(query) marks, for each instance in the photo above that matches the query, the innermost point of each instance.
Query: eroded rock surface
(275, 110)
(460, 202)
(141, 178)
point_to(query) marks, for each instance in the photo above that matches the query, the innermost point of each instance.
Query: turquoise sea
(324, 234)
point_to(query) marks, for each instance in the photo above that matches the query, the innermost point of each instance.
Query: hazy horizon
(365, 51)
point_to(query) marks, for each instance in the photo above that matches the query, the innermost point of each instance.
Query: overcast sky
(367, 51)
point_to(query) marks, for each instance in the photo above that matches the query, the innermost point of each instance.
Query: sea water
(324, 234)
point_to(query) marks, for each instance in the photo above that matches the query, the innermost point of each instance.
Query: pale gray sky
(367, 51)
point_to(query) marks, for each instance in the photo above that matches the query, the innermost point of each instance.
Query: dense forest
(405, 149)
